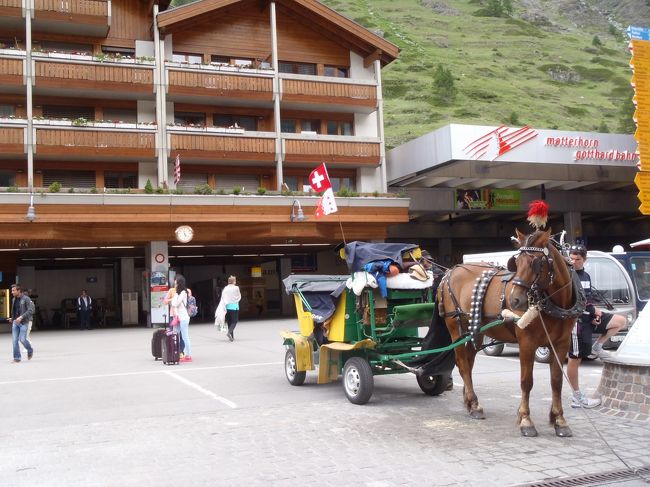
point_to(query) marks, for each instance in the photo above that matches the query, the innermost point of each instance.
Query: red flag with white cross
(319, 180)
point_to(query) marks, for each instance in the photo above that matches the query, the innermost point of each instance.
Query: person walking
(230, 297)
(179, 305)
(85, 308)
(22, 311)
(592, 320)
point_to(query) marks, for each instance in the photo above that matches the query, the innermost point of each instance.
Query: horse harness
(475, 315)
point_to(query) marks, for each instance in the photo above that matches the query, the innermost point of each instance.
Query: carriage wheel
(543, 355)
(433, 385)
(358, 382)
(492, 350)
(294, 377)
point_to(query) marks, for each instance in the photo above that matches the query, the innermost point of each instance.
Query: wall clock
(184, 233)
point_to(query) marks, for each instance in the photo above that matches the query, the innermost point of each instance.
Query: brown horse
(471, 295)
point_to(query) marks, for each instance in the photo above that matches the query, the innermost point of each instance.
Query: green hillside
(549, 63)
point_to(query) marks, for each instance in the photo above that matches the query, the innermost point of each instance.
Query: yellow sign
(642, 181)
(645, 207)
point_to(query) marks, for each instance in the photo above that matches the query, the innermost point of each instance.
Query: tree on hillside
(178, 3)
(495, 8)
(443, 85)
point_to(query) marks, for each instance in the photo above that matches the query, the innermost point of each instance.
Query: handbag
(175, 321)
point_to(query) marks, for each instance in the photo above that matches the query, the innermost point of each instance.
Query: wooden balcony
(11, 72)
(89, 76)
(209, 146)
(12, 141)
(330, 93)
(195, 83)
(94, 142)
(85, 17)
(331, 151)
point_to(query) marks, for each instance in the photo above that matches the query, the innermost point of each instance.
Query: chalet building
(103, 99)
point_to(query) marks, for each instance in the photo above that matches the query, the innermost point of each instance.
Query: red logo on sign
(499, 141)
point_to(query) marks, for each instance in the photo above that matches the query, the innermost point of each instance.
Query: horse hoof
(477, 414)
(563, 431)
(528, 431)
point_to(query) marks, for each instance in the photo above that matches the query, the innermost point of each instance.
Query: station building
(99, 100)
(470, 186)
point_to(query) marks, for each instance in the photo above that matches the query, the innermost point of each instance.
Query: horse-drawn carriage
(373, 322)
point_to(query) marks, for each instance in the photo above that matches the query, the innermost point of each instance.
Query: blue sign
(638, 33)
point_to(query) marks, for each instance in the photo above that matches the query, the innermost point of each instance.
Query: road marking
(202, 390)
(126, 374)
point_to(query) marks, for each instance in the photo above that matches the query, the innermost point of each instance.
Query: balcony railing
(89, 142)
(131, 78)
(11, 3)
(12, 140)
(331, 151)
(85, 17)
(336, 93)
(11, 71)
(224, 147)
(199, 83)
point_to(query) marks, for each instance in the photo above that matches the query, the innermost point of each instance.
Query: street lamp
(31, 211)
(299, 215)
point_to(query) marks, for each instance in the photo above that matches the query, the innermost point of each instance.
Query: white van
(613, 285)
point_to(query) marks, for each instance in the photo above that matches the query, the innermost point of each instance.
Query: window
(120, 180)
(118, 51)
(7, 178)
(292, 182)
(288, 126)
(607, 277)
(296, 68)
(241, 181)
(338, 183)
(336, 71)
(189, 181)
(66, 47)
(70, 179)
(7, 111)
(121, 115)
(641, 276)
(310, 126)
(335, 127)
(219, 59)
(190, 118)
(71, 113)
(185, 57)
(242, 121)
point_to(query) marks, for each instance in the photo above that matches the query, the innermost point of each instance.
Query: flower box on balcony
(17, 121)
(81, 57)
(126, 125)
(12, 52)
(104, 124)
(59, 55)
(59, 122)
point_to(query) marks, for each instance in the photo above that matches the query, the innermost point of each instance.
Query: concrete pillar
(127, 274)
(573, 227)
(157, 261)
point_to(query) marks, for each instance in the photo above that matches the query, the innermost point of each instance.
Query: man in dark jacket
(22, 311)
(85, 307)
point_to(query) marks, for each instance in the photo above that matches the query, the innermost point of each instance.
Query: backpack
(192, 308)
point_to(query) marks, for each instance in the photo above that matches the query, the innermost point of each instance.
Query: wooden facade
(106, 98)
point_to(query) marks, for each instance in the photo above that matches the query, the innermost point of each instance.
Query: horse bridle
(535, 287)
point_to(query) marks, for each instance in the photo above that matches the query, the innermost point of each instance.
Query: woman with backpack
(179, 305)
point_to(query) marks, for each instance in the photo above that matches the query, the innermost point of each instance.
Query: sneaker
(230, 337)
(30, 355)
(186, 359)
(579, 400)
(16, 361)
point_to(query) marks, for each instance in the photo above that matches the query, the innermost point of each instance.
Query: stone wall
(625, 390)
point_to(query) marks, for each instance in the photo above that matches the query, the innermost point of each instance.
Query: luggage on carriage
(375, 321)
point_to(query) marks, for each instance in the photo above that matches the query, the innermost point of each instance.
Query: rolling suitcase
(170, 348)
(156, 343)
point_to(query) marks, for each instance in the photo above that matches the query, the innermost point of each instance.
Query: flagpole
(341, 225)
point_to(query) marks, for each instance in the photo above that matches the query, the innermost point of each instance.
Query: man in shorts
(592, 321)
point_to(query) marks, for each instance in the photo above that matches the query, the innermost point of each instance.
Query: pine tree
(443, 85)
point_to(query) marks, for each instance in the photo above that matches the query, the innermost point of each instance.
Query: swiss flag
(326, 204)
(319, 179)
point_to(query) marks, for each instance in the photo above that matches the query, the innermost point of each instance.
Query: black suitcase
(170, 349)
(156, 343)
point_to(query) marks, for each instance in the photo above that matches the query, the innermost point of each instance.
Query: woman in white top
(230, 298)
(179, 303)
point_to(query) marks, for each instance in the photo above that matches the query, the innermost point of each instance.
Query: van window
(607, 278)
(641, 276)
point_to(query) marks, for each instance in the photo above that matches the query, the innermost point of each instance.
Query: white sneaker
(579, 400)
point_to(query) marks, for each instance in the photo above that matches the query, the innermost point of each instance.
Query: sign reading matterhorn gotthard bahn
(640, 64)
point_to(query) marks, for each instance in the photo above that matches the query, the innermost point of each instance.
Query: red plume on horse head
(537, 213)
